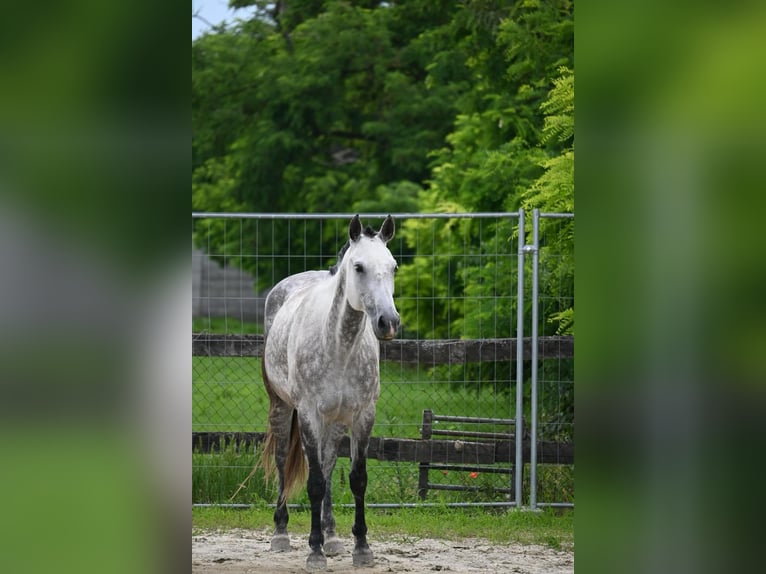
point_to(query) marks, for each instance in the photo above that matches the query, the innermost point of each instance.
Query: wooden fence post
(425, 433)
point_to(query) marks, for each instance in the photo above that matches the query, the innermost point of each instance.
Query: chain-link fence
(457, 291)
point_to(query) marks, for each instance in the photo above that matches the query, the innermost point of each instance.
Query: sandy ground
(247, 551)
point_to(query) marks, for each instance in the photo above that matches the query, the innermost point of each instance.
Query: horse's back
(286, 288)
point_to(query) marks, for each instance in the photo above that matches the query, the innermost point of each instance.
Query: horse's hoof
(333, 546)
(316, 561)
(363, 557)
(280, 543)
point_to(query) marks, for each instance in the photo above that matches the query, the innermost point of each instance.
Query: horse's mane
(368, 231)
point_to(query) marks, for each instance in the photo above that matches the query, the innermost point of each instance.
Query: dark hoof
(316, 561)
(333, 546)
(363, 557)
(280, 543)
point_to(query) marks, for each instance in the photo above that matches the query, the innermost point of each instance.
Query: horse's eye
(396, 269)
(359, 268)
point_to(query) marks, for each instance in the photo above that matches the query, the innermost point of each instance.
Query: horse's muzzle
(386, 326)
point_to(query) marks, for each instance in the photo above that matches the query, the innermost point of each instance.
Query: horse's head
(370, 275)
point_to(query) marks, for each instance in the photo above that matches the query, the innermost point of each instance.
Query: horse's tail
(296, 469)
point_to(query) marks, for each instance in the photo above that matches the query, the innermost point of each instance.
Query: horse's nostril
(381, 323)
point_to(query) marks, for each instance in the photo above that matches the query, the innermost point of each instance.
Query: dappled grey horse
(321, 371)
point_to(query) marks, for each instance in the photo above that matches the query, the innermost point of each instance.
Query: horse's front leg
(333, 546)
(316, 491)
(362, 555)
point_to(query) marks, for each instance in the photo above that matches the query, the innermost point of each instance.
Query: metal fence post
(519, 466)
(533, 403)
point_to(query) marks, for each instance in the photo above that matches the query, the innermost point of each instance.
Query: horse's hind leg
(280, 420)
(362, 555)
(330, 443)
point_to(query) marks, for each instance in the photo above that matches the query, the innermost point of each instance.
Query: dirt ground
(247, 551)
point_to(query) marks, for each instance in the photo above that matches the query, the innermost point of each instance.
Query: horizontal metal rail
(472, 434)
(477, 215)
(456, 419)
(466, 215)
(470, 468)
(464, 488)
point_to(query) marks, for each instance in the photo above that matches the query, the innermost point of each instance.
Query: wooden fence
(423, 352)
(428, 353)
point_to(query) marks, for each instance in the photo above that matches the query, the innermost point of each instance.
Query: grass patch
(228, 395)
(547, 528)
(225, 325)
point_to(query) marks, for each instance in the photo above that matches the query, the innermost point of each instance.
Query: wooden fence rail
(413, 450)
(422, 352)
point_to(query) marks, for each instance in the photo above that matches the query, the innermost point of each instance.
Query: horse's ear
(355, 228)
(386, 232)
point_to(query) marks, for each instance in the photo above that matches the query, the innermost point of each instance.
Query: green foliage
(314, 106)
(494, 160)
(559, 109)
(395, 197)
(565, 320)
(318, 106)
(553, 191)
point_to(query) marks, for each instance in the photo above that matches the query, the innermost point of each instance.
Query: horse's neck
(344, 324)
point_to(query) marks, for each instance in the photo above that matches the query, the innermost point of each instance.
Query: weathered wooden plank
(547, 452)
(415, 450)
(475, 420)
(418, 450)
(423, 352)
(456, 351)
(217, 345)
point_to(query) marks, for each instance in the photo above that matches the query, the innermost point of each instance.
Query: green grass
(548, 528)
(225, 325)
(228, 395)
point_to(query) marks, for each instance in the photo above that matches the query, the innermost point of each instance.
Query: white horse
(321, 370)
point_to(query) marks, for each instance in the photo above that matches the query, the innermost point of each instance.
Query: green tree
(319, 109)
(492, 159)
(410, 106)
(553, 192)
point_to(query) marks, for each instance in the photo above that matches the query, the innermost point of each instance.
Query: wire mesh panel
(456, 286)
(555, 375)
